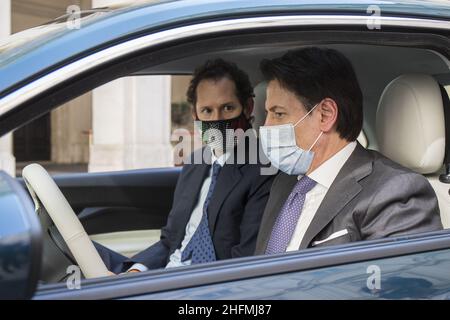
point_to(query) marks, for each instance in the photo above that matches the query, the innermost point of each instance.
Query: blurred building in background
(125, 124)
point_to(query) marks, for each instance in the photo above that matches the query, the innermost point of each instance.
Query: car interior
(405, 118)
(408, 91)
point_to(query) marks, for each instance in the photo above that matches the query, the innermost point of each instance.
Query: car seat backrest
(410, 130)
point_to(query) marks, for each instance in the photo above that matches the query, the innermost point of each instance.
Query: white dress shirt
(324, 176)
(194, 221)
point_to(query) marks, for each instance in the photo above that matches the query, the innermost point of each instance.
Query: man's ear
(249, 109)
(328, 114)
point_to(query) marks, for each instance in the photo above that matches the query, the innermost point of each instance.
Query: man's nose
(267, 122)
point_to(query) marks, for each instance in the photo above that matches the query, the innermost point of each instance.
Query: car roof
(46, 47)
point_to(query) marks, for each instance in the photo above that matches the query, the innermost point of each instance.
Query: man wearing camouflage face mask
(219, 107)
(218, 204)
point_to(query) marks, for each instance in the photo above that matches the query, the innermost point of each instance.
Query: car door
(123, 210)
(412, 267)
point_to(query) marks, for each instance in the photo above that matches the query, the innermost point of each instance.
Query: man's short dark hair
(314, 74)
(216, 70)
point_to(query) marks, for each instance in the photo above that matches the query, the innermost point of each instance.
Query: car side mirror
(20, 241)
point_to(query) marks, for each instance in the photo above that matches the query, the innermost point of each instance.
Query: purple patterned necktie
(286, 222)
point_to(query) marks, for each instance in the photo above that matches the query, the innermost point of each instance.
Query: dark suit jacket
(372, 197)
(234, 212)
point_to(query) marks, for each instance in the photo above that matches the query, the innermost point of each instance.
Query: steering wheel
(44, 190)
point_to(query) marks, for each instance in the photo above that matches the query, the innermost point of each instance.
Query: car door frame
(120, 197)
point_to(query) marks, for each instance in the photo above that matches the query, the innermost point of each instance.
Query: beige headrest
(410, 124)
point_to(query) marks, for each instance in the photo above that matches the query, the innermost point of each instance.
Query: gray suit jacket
(372, 197)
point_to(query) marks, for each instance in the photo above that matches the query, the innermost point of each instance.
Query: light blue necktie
(286, 222)
(201, 248)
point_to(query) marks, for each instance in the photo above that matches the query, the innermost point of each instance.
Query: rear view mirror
(20, 241)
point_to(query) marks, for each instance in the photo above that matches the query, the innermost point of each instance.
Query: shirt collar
(220, 160)
(327, 171)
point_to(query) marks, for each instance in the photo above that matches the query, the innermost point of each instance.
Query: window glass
(125, 124)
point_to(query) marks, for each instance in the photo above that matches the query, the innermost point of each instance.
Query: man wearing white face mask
(330, 190)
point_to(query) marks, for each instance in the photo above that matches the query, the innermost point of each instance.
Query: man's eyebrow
(276, 108)
(227, 103)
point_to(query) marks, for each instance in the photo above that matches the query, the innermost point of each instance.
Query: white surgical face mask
(280, 146)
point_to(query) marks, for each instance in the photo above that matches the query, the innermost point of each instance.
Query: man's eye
(228, 108)
(206, 110)
(278, 114)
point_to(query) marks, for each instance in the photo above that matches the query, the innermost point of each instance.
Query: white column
(7, 160)
(148, 122)
(108, 110)
(131, 124)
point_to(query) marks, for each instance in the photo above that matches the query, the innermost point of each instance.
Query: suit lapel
(228, 177)
(344, 188)
(283, 184)
(194, 178)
